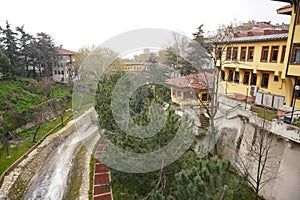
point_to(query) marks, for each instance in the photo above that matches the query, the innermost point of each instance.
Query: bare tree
(64, 107)
(40, 119)
(257, 163)
(4, 130)
(209, 60)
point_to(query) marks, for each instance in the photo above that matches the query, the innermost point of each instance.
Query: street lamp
(296, 88)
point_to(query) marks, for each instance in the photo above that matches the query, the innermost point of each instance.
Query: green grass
(75, 176)
(60, 91)
(264, 112)
(19, 98)
(26, 136)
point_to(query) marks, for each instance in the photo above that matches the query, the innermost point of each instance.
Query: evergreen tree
(24, 49)
(4, 65)
(9, 43)
(46, 52)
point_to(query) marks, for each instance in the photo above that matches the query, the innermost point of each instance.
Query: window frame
(235, 51)
(295, 49)
(263, 53)
(263, 76)
(248, 79)
(205, 99)
(273, 49)
(283, 50)
(236, 77)
(219, 53)
(228, 53)
(298, 15)
(222, 75)
(250, 51)
(243, 50)
(230, 77)
(253, 76)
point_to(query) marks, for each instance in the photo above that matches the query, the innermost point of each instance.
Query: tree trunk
(6, 147)
(34, 75)
(36, 131)
(62, 119)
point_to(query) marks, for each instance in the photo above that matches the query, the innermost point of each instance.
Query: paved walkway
(101, 178)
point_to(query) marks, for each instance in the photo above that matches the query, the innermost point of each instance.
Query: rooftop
(193, 81)
(257, 38)
(62, 51)
(286, 10)
(134, 63)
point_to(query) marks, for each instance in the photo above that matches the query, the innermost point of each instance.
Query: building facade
(265, 60)
(190, 90)
(131, 66)
(62, 71)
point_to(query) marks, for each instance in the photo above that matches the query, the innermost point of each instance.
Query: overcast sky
(75, 23)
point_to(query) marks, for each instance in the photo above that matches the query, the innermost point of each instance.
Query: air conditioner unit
(253, 90)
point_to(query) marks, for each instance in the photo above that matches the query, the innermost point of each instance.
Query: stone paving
(101, 178)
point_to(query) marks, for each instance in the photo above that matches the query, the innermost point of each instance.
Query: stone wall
(241, 131)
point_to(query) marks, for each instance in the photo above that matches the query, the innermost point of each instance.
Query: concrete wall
(241, 132)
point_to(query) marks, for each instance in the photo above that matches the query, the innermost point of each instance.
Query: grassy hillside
(18, 98)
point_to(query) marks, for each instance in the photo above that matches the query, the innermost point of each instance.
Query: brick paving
(101, 178)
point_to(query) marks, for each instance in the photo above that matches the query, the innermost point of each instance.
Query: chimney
(61, 46)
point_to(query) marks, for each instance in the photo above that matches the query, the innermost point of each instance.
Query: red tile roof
(65, 52)
(194, 81)
(258, 31)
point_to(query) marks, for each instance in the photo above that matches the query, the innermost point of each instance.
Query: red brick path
(101, 178)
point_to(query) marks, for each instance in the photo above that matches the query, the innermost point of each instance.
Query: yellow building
(268, 59)
(131, 66)
(190, 90)
(292, 58)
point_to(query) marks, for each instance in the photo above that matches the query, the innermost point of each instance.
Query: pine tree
(9, 43)
(4, 64)
(24, 49)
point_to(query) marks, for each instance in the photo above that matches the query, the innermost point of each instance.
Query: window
(228, 53)
(219, 53)
(230, 76)
(275, 78)
(250, 54)
(265, 80)
(243, 53)
(186, 95)
(204, 97)
(295, 58)
(298, 16)
(246, 78)
(55, 72)
(222, 75)
(237, 77)
(253, 79)
(274, 53)
(235, 53)
(283, 53)
(174, 92)
(264, 54)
